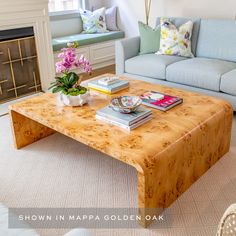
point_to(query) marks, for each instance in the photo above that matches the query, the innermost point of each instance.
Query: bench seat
(86, 39)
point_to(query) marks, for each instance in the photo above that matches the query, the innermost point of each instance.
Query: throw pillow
(111, 19)
(149, 39)
(175, 41)
(94, 22)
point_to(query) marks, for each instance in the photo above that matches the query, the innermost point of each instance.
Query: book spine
(99, 87)
(153, 106)
(122, 121)
(106, 88)
(115, 119)
(100, 90)
(106, 91)
(173, 105)
(145, 120)
(140, 118)
(163, 108)
(119, 88)
(113, 122)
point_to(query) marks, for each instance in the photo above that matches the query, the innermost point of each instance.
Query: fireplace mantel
(24, 13)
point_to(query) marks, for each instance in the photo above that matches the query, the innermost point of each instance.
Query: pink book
(160, 101)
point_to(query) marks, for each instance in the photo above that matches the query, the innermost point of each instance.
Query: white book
(108, 80)
(128, 128)
(125, 119)
(120, 84)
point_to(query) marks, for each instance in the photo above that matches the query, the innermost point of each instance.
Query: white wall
(59, 24)
(133, 10)
(95, 3)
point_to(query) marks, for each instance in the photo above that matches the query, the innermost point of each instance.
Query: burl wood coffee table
(169, 153)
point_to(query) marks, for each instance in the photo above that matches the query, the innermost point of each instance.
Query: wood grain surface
(170, 152)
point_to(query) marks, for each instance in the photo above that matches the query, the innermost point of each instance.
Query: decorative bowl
(125, 104)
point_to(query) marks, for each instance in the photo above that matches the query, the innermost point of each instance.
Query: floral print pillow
(175, 41)
(94, 22)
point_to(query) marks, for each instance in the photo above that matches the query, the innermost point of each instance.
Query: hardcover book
(108, 80)
(112, 88)
(160, 101)
(126, 127)
(125, 119)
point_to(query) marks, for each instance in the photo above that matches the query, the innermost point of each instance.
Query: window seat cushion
(85, 39)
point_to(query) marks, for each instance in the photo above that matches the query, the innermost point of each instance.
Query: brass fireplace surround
(19, 73)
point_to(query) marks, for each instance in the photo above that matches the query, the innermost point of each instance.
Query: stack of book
(160, 101)
(108, 85)
(125, 121)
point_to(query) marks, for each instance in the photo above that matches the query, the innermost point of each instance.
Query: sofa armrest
(125, 49)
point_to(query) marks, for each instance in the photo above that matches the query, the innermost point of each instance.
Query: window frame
(67, 12)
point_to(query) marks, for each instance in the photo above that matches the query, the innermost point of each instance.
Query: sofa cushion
(217, 39)
(180, 21)
(85, 39)
(228, 83)
(150, 65)
(199, 72)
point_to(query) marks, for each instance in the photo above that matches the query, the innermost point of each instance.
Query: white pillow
(111, 19)
(94, 22)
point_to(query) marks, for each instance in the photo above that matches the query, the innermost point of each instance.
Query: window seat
(86, 39)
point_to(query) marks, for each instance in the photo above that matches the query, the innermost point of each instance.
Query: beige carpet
(59, 172)
(4, 106)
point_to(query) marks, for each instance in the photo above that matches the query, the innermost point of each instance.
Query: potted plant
(68, 84)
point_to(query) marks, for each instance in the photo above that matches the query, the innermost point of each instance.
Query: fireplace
(26, 56)
(19, 71)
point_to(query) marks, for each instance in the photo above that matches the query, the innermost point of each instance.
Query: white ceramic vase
(74, 101)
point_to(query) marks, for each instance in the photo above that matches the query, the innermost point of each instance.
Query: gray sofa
(212, 71)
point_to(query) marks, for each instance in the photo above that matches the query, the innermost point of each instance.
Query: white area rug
(60, 172)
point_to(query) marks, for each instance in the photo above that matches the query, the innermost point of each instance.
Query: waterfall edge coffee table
(170, 152)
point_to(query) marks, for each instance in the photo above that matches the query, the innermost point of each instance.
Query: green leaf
(53, 85)
(57, 89)
(77, 91)
(66, 83)
(53, 82)
(73, 78)
(65, 92)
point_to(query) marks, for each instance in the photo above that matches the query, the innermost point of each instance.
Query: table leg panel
(182, 163)
(27, 131)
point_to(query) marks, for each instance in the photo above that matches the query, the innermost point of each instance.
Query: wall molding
(25, 13)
